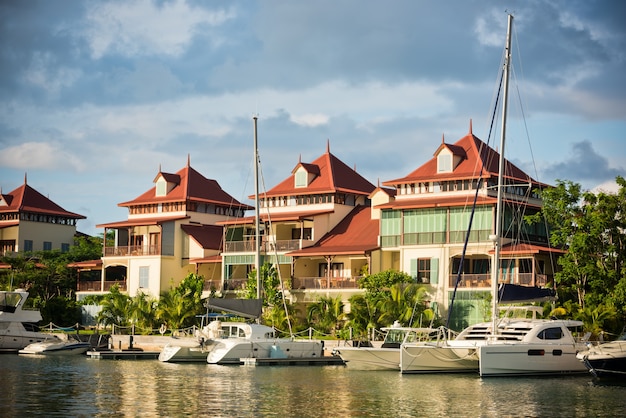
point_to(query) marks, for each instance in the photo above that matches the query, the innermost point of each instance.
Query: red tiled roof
(189, 185)
(357, 233)
(477, 160)
(280, 217)
(141, 222)
(331, 176)
(27, 199)
(208, 236)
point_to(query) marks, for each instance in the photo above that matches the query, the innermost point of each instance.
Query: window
(65, 247)
(554, 333)
(306, 233)
(300, 178)
(425, 270)
(28, 245)
(161, 187)
(444, 163)
(47, 246)
(144, 277)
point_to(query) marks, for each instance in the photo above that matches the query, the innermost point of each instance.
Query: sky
(96, 96)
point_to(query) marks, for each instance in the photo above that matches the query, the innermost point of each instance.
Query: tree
(179, 306)
(116, 309)
(405, 304)
(326, 314)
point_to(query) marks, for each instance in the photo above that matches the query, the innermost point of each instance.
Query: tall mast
(495, 270)
(257, 222)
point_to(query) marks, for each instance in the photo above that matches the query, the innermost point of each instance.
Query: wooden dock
(124, 355)
(306, 361)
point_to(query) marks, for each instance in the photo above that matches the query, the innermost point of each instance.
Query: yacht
(61, 345)
(238, 341)
(18, 325)
(606, 359)
(386, 356)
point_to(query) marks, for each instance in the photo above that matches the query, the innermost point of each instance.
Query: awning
(142, 222)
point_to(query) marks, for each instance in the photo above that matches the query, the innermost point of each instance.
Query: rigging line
(471, 219)
(280, 277)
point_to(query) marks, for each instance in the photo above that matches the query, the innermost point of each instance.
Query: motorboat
(58, 345)
(238, 341)
(18, 324)
(606, 359)
(547, 346)
(385, 356)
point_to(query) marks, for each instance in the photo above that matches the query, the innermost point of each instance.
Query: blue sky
(96, 95)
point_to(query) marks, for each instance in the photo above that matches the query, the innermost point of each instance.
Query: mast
(497, 239)
(257, 223)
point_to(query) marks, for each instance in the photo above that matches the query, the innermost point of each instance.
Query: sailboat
(236, 342)
(538, 346)
(516, 342)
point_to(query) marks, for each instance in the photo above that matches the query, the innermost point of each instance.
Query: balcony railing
(303, 283)
(96, 285)
(132, 250)
(266, 246)
(210, 285)
(484, 280)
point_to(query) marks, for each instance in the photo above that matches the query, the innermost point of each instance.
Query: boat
(194, 348)
(59, 345)
(239, 341)
(18, 324)
(606, 359)
(548, 346)
(386, 356)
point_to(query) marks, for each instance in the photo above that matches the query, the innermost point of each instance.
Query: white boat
(239, 341)
(386, 356)
(18, 325)
(546, 346)
(61, 345)
(606, 359)
(191, 349)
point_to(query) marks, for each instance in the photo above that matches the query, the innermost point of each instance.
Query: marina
(76, 386)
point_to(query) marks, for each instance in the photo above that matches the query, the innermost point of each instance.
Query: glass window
(301, 178)
(28, 245)
(444, 164)
(47, 246)
(144, 276)
(554, 333)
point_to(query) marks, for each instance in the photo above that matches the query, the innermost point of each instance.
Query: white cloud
(310, 119)
(39, 155)
(143, 27)
(44, 73)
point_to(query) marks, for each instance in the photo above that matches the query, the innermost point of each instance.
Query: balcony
(484, 280)
(267, 247)
(324, 283)
(96, 285)
(132, 250)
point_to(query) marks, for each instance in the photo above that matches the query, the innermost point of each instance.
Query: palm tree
(143, 313)
(325, 314)
(116, 309)
(405, 304)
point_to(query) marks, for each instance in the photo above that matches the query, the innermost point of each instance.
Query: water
(83, 387)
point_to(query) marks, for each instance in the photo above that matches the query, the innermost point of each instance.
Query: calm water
(79, 386)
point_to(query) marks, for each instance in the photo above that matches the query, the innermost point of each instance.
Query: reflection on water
(78, 386)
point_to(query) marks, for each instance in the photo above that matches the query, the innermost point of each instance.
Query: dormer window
(161, 187)
(444, 162)
(301, 177)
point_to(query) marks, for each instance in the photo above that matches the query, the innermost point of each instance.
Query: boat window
(554, 333)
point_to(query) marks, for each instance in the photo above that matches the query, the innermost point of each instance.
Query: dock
(305, 361)
(123, 355)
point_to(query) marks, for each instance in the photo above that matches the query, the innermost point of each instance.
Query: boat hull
(605, 360)
(234, 351)
(424, 358)
(56, 348)
(529, 359)
(176, 353)
(370, 358)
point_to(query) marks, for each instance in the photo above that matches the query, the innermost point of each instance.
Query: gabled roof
(477, 160)
(357, 233)
(189, 185)
(331, 175)
(208, 236)
(27, 199)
